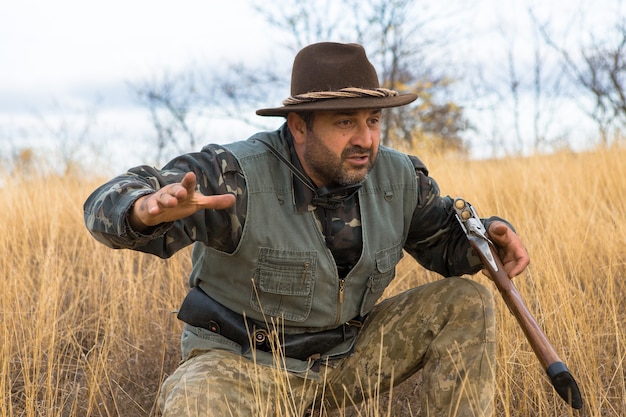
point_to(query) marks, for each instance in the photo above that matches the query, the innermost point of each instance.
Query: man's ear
(297, 126)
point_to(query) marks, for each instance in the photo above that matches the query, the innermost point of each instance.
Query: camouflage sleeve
(217, 172)
(435, 238)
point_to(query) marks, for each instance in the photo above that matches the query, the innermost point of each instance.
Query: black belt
(200, 310)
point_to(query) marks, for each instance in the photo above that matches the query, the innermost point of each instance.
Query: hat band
(350, 92)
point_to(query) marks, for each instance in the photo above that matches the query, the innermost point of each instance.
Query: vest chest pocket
(386, 261)
(283, 283)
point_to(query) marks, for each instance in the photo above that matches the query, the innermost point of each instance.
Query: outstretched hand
(174, 202)
(512, 252)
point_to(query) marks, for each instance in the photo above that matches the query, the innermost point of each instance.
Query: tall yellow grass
(88, 331)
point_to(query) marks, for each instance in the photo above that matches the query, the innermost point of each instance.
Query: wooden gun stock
(561, 378)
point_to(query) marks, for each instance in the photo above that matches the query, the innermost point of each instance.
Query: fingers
(174, 202)
(171, 195)
(498, 231)
(161, 200)
(189, 182)
(514, 256)
(188, 191)
(515, 264)
(218, 202)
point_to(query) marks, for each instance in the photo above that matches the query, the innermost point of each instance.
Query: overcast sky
(68, 54)
(56, 47)
(62, 55)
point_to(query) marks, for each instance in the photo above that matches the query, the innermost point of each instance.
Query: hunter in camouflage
(296, 233)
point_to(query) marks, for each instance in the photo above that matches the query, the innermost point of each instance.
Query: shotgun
(560, 377)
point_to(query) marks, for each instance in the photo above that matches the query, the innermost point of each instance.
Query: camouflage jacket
(435, 239)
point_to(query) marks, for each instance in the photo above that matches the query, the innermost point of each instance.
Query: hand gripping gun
(562, 380)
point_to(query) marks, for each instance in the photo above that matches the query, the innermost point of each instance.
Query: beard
(330, 168)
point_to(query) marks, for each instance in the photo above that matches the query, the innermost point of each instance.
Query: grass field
(89, 331)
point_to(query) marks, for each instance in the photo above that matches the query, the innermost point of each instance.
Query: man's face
(342, 146)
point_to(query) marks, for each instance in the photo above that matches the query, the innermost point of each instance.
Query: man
(296, 235)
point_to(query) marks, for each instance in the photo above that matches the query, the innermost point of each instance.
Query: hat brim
(357, 103)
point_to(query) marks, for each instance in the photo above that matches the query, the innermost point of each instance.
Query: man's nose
(363, 136)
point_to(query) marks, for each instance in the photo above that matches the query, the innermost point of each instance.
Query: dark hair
(308, 117)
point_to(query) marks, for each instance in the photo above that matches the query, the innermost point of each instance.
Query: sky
(54, 47)
(67, 56)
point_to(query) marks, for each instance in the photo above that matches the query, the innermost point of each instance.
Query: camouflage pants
(445, 328)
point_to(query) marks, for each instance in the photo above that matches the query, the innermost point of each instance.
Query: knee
(469, 291)
(478, 291)
(474, 304)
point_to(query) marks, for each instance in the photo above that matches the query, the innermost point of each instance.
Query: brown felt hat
(335, 76)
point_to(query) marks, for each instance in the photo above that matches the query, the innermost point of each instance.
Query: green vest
(282, 267)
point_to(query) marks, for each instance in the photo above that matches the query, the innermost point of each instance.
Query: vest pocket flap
(387, 259)
(284, 283)
(285, 272)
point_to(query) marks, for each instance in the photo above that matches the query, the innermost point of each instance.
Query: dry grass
(87, 331)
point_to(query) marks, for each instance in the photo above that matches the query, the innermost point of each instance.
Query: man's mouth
(358, 159)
